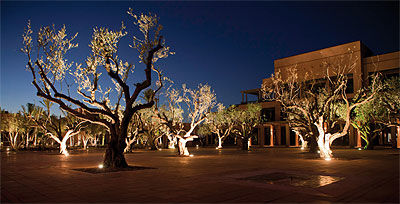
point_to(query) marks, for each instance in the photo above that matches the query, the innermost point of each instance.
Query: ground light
(359, 148)
(302, 148)
(328, 159)
(191, 155)
(100, 166)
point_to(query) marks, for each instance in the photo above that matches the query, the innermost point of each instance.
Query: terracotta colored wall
(381, 62)
(310, 65)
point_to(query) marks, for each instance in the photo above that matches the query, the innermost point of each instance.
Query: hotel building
(275, 131)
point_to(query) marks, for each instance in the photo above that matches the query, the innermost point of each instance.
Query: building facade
(274, 131)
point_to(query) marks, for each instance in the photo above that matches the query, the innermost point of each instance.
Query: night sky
(228, 45)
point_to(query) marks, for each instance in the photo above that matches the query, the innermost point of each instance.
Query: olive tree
(32, 113)
(245, 120)
(11, 124)
(105, 96)
(198, 103)
(311, 105)
(383, 111)
(171, 115)
(220, 123)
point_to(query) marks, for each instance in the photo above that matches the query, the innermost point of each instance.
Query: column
(296, 140)
(358, 137)
(287, 129)
(272, 135)
(249, 142)
(351, 136)
(278, 134)
(398, 137)
(242, 97)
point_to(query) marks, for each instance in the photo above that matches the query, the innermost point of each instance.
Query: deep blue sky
(229, 45)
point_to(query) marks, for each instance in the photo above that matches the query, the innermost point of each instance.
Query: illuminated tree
(60, 129)
(11, 123)
(198, 102)
(246, 119)
(220, 123)
(133, 132)
(383, 111)
(94, 132)
(31, 113)
(171, 115)
(312, 105)
(110, 106)
(71, 131)
(150, 126)
(86, 138)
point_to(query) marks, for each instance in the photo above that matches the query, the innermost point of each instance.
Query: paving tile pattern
(210, 176)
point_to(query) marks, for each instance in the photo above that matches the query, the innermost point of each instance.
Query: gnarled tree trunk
(219, 142)
(323, 141)
(182, 147)
(313, 145)
(114, 156)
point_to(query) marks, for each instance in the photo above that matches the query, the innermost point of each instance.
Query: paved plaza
(229, 175)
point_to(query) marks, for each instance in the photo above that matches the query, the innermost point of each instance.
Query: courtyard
(227, 175)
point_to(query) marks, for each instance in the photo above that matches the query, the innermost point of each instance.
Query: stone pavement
(210, 176)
